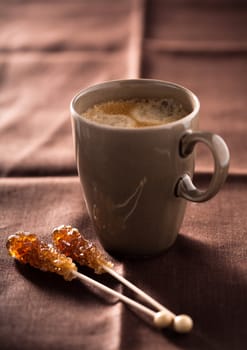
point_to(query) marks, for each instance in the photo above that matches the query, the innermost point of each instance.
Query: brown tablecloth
(48, 51)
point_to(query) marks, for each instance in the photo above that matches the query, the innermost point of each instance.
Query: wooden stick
(161, 319)
(138, 291)
(112, 292)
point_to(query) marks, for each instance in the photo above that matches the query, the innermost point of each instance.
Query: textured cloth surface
(203, 274)
(49, 50)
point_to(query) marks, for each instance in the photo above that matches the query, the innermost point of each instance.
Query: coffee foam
(136, 113)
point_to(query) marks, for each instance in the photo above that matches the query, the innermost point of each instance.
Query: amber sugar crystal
(28, 249)
(70, 242)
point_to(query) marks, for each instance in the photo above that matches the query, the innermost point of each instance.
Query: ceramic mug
(137, 181)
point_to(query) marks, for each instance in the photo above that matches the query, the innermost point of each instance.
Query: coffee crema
(136, 112)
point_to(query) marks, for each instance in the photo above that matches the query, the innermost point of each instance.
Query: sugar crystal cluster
(70, 242)
(28, 249)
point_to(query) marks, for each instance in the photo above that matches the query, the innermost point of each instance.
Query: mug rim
(84, 91)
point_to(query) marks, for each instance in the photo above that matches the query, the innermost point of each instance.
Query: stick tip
(183, 324)
(162, 319)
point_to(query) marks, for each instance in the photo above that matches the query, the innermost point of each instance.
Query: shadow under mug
(137, 181)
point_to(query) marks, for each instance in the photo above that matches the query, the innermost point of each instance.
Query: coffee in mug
(136, 113)
(137, 173)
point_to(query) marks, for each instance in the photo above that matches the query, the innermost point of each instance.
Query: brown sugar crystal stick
(70, 242)
(28, 249)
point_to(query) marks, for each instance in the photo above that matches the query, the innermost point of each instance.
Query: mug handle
(185, 187)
